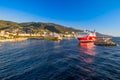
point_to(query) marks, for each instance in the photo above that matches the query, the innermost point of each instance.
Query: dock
(105, 42)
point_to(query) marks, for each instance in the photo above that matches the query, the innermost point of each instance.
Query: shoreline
(13, 40)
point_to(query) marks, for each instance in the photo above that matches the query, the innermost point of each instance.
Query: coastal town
(89, 37)
(14, 32)
(7, 36)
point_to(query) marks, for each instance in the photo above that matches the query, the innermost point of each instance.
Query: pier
(105, 42)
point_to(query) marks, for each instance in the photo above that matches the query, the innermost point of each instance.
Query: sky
(100, 15)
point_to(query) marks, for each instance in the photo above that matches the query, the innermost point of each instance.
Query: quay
(105, 42)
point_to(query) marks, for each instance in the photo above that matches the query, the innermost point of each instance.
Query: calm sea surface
(64, 60)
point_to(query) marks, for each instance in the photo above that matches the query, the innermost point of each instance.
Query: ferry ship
(86, 36)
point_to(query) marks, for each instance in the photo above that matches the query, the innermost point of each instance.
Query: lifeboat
(86, 36)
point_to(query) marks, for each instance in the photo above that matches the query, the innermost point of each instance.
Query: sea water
(59, 60)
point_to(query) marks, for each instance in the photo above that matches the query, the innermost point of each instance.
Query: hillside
(37, 27)
(34, 27)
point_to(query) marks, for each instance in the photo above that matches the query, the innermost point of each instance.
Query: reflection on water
(58, 60)
(87, 53)
(88, 49)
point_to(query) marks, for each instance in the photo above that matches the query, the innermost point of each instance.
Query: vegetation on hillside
(34, 27)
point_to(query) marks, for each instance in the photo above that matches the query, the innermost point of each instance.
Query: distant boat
(86, 36)
(54, 36)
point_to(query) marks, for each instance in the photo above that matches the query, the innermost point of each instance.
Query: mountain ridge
(36, 27)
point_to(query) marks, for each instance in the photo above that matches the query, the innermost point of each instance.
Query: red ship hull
(87, 39)
(90, 37)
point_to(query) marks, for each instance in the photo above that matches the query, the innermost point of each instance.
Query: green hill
(10, 26)
(34, 27)
(37, 27)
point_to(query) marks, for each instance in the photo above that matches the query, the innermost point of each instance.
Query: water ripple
(64, 60)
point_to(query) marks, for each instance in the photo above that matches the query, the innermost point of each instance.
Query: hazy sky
(101, 15)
